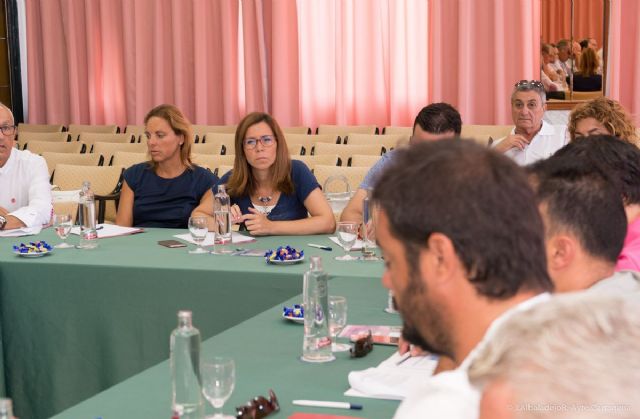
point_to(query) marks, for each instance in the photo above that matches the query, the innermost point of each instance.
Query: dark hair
(585, 202)
(584, 43)
(438, 118)
(618, 158)
(480, 200)
(241, 181)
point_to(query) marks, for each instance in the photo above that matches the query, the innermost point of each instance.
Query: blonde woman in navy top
(164, 191)
(270, 193)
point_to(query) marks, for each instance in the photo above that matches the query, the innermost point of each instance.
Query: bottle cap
(316, 263)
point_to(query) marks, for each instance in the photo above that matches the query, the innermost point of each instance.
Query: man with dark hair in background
(434, 122)
(455, 271)
(585, 226)
(621, 160)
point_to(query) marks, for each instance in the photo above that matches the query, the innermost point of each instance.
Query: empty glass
(218, 380)
(198, 229)
(391, 304)
(347, 233)
(337, 321)
(62, 224)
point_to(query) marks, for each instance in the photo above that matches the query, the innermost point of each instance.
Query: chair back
(127, 159)
(90, 138)
(391, 130)
(78, 159)
(344, 130)
(361, 160)
(324, 159)
(296, 130)
(76, 129)
(345, 151)
(107, 150)
(22, 128)
(58, 136)
(388, 141)
(39, 147)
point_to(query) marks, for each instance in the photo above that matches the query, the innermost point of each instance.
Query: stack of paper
(391, 380)
(19, 232)
(110, 230)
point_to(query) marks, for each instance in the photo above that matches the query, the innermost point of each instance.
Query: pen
(404, 358)
(319, 246)
(99, 228)
(335, 405)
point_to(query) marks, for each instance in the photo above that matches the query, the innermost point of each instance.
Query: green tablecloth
(266, 350)
(77, 322)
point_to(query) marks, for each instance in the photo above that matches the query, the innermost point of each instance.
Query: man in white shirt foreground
(585, 225)
(25, 192)
(463, 248)
(531, 139)
(575, 357)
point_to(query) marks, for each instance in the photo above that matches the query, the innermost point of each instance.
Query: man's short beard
(415, 313)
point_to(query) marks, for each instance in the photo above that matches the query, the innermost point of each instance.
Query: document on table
(236, 238)
(392, 381)
(19, 232)
(110, 230)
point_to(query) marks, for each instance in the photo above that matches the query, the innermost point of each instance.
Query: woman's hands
(257, 223)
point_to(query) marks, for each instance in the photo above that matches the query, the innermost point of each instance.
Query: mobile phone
(171, 243)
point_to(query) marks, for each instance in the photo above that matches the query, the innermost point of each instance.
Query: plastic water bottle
(221, 209)
(316, 346)
(87, 214)
(6, 409)
(185, 369)
(367, 219)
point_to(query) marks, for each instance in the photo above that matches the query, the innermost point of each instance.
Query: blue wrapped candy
(33, 247)
(295, 311)
(283, 253)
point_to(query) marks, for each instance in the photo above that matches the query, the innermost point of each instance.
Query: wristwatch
(3, 222)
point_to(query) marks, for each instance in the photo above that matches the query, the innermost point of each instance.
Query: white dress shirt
(24, 188)
(547, 141)
(449, 394)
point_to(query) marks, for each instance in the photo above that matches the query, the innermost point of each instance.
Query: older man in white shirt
(456, 274)
(532, 138)
(25, 192)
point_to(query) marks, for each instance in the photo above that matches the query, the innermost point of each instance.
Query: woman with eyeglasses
(164, 191)
(270, 193)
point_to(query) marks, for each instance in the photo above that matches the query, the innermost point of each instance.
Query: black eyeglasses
(529, 84)
(259, 407)
(362, 346)
(265, 140)
(8, 129)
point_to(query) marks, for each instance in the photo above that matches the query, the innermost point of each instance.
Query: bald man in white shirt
(25, 192)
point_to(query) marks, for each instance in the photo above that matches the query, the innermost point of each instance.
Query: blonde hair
(609, 113)
(241, 181)
(180, 126)
(579, 349)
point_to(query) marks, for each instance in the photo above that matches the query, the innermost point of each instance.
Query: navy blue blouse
(289, 206)
(168, 203)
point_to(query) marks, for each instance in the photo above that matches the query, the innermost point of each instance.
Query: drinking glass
(391, 306)
(218, 381)
(62, 225)
(337, 321)
(198, 229)
(347, 235)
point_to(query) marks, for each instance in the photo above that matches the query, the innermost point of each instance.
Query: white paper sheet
(19, 232)
(110, 230)
(389, 380)
(208, 241)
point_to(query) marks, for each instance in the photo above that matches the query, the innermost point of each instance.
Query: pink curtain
(623, 76)
(556, 20)
(99, 61)
(307, 62)
(588, 20)
(479, 49)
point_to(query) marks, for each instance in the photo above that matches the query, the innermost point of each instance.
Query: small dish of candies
(33, 249)
(294, 314)
(284, 255)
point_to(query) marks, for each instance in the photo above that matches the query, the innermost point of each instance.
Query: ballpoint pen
(319, 246)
